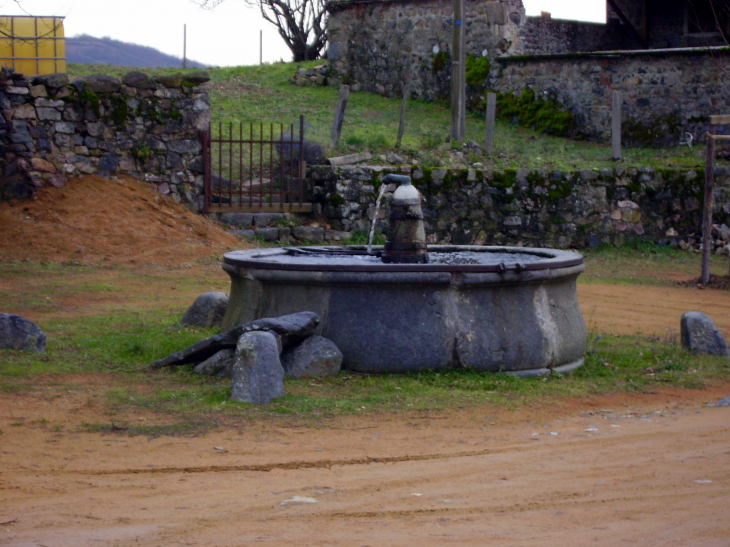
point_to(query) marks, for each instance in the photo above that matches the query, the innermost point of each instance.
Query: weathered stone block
(257, 376)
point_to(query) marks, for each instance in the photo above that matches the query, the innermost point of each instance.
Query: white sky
(226, 36)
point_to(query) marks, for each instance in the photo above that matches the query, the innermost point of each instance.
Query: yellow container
(32, 45)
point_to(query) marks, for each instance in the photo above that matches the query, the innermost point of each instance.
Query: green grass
(263, 95)
(113, 345)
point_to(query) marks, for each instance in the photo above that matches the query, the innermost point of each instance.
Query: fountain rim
(552, 259)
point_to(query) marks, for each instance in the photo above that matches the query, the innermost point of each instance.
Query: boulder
(52, 80)
(700, 335)
(257, 376)
(137, 79)
(219, 364)
(311, 151)
(207, 310)
(103, 83)
(292, 329)
(17, 332)
(723, 402)
(196, 78)
(169, 80)
(313, 358)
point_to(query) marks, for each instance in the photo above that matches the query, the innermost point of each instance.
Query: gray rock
(311, 151)
(196, 78)
(207, 310)
(103, 83)
(170, 80)
(268, 234)
(17, 332)
(309, 233)
(313, 358)
(185, 147)
(292, 329)
(246, 234)
(257, 376)
(219, 364)
(700, 335)
(52, 80)
(723, 402)
(244, 220)
(137, 79)
(266, 219)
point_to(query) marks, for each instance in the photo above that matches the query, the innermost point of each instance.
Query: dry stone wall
(535, 207)
(51, 129)
(665, 93)
(374, 45)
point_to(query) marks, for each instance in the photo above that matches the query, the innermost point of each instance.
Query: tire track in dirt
(295, 465)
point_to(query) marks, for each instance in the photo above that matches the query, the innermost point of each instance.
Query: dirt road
(652, 469)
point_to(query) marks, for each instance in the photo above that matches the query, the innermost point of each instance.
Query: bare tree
(301, 23)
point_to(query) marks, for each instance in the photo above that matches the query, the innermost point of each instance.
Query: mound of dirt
(94, 220)
(721, 282)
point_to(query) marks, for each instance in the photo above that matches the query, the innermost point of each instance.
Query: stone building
(668, 57)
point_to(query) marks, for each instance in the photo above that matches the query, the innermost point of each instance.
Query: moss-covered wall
(51, 129)
(534, 207)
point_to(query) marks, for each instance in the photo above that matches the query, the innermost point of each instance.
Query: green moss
(477, 70)
(439, 61)
(337, 200)
(89, 99)
(142, 150)
(119, 110)
(504, 179)
(545, 115)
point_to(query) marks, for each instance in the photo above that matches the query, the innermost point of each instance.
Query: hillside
(89, 50)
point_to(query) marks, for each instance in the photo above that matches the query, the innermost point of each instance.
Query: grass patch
(263, 94)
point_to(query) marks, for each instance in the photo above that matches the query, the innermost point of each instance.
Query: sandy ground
(647, 469)
(651, 469)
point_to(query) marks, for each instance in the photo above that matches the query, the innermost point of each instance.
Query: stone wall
(51, 129)
(665, 93)
(373, 45)
(544, 35)
(534, 207)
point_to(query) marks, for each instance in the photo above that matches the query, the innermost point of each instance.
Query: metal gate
(255, 169)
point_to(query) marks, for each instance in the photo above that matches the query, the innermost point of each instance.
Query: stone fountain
(406, 307)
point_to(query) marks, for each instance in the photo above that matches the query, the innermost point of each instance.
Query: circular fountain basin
(498, 309)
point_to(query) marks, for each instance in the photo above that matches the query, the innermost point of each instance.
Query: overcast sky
(226, 36)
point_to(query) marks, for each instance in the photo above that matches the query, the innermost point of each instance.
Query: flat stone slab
(314, 358)
(18, 333)
(723, 402)
(258, 376)
(292, 328)
(700, 335)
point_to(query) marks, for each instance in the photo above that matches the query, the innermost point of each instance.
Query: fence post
(708, 205)
(616, 125)
(402, 121)
(205, 135)
(491, 113)
(339, 114)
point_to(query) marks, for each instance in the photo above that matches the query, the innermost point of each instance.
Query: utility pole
(185, 46)
(458, 75)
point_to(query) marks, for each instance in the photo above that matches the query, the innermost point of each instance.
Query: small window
(707, 18)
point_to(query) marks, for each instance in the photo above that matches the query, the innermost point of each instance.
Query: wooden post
(340, 114)
(402, 122)
(708, 205)
(185, 46)
(458, 75)
(261, 47)
(616, 125)
(491, 113)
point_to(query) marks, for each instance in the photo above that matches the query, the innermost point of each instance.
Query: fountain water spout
(406, 242)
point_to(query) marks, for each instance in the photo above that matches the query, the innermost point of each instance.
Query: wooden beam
(625, 20)
(278, 208)
(723, 119)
